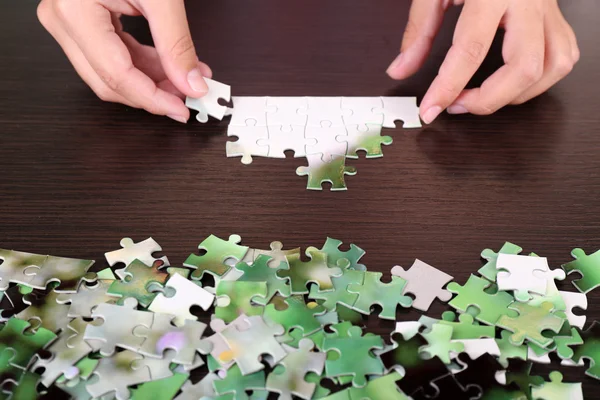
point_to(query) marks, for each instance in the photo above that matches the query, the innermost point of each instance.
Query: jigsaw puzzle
(322, 169)
(588, 266)
(283, 326)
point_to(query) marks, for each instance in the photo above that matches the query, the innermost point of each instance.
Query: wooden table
(77, 174)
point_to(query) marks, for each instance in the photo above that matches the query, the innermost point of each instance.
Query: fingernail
(457, 109)
(397, 62)
(178, 118)
(196, 81)
(431, 114)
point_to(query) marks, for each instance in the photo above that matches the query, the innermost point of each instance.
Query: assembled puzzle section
(291, 327)
(325, 130)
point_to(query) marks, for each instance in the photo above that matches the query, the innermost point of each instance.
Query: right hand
(120, 69)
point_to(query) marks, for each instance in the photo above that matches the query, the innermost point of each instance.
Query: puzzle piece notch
(360, 111)
(67, 273)
(323, 109)
(404, 109)
(588, 266)
(573, 300)
(136, 282)
(17, 347)
(86, 298)
(44, 310)
(340, 295)
(374, 292)
(261, 270)
(322, 169)
(234, 298)
(217, 252)
(425, 282)
(280, 141)
(208, 105)
(132, 251)
(489, 271)
(316, 271)
(590, 349)
(249, 108)
(332, 248)
(293, 313)
(530, 323)
(523, 275)
(247, 144)
(283, 111)
(440, 344)
(556, 389)
(325, 140)
(368, 141)
(13, 265)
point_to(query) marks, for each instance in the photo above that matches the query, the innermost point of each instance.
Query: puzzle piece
(480, 372)
(525, 274)
(249, 108)
(280, 141)
(137, 279)
(466, 328)
(556, 389)
(369, 141)
(116, 374)
(235, 298)
(67, 272)
(323, 109)
(314, 271)
(86, 298)
(260, 271)
(216, 252)
(247, 144)
(489, 270)
(14, 263)
(440, 344)
(209, 103)
(221, 352)
(45, 310)
(425, 282)
(325, 140)
(530, 323)
(321, 169)
(380, 388)
(277, 254)
(332, 249)
(348, 351)
(187, 294)
(374, 292)
(283, 111)
(564, 339)
(400, 108)
(236, 383)
(572, 300)
(509, 350)
(203, 389)
(161, 389)
(360, 111)
(288, 378)
(340, 294)
(118, 323)
(588, 266)
(294, 313)
(590, 349)
(472, 294)
(69, 349)
(257, 340)
(131, 251)
(186, 340)
(478, 347)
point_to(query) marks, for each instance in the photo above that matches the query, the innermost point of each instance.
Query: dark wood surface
(78, 174)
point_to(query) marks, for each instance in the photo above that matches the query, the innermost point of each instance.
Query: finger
(474, 34)
(92, 29)
(524, 64)
(575, 53)
(559, 59)
(171, 33)
(423, 24)
(75, 56)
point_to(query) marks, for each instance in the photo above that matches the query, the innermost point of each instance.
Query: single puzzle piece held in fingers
(425, 282)
(315, 271)
(208, 105)
(260, 271)
(374, 292)
(556, 389)
(530, 323)
(131, 251)
(137, 279)
(326, 169)
(588, 266)
(216, 252)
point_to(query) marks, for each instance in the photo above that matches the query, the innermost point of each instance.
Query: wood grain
(78, 174)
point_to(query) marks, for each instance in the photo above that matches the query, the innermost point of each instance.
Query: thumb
(423, 24)
(171, 33)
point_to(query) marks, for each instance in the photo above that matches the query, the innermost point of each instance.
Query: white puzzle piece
(249, 108)
(477, 347)
(283, 111)
(135, 251)
(400, 108)
(538, 358)
(574, 299)
(322, 109)
(517, 272)
(208, 105)
(369, 141)
(362, 111)
(280, 141)
(247, 144)
(425, 282)
(326, 140)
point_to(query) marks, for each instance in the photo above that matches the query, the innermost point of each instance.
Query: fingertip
(196, 82)
(205, 70)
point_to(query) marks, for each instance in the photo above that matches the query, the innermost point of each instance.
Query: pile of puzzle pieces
(280, 325)
(325, 130)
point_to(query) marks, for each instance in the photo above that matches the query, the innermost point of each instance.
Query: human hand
(116, 66)
(539, 49)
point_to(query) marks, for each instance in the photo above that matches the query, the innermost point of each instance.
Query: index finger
(474, 34)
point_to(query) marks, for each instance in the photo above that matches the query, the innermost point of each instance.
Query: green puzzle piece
(234, 298)
(162, 389)
(138, 278)
(382, 388)
(509, 350)
(590, 349)
(236, 384)
(332, 248)
(472, 294)
(520, 374)
(466, 328)
(340, 294)
(369, 142)
(439, 343)
(488, 271)
(374, 292)
(556, 389)
(24, 345)
(349, 350)
(217, 252)
(260, 271)
(530, 323)
(294, 313)
(589, 268)
(566, 339)
(314, 271)
(320, 171)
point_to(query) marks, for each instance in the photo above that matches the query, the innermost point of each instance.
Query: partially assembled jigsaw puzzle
(242, 323)
(325, 130)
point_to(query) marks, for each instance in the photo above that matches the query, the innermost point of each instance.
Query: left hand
(539, 50)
